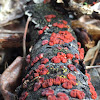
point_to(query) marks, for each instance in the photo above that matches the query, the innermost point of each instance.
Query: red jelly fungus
(67, 85)
(47, 92)
(71, 67)
(44, 60)
(41, 66)
(77, 94)
(40, 56)
(56, 59)
(69, 56)
(61, 37)
(37, 86)
(52, 97)
(71, 77)
(40, 32)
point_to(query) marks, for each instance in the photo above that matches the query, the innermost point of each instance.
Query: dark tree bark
(32, 85)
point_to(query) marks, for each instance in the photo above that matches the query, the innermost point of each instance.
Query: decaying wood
(38, 13)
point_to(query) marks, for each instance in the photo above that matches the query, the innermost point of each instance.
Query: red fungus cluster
(42, 70)
(37, 58)
(61, 57)
(75, 93)
(72, 67)
(67, 85)
(41, 31)
(81, 51)
(28, 58)
(61, 38)
(49, 17)
(92, 89)
(44, 42)
(47, 92)
(69, 56)
(23, 96)
(50, 95)
(62, 96)
(44, 60)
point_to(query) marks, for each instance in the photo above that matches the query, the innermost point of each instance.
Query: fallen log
(55, 68)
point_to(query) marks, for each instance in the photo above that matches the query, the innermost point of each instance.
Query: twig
(93, 60)
(24, 36)
(89, 67)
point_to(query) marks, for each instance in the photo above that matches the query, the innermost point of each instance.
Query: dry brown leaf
(91, 52)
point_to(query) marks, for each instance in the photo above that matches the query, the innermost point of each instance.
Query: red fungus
(76, 61)
(45, 84)
(67, 85)
(44, 60)
(36, 74)
(69, 56)
(49, 17)
(57, 81)
(71, 77)
(60, 38)
(52, 97)
(40, 32)
(40, 56)
(77, 56)
(44, 71)
(47, 92)
(71, 67)
(77, 93)
(62, 96)
(35, 60)
(23, 96)
(41, 66)
(37, 86)
(56, 59)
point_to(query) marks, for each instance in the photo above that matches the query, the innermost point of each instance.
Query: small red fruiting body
(67, 85)
(77, 94)
(72, 67)
(92, 89)
(57, 81)
(34, 60)
(62, 96)
(52, 97)
(77, 56)
(27, 76)
(81, 51)
(41, 66)
(44, 71)
(36, 74)
(40, 56)
(47, 92)
(28, 58)
(60, 25)
(76, 61)
(37, 86)
(61, 57)
(61, 38)
(55, 59)
(49, 17)
(40, 32)
(71, 77)
(44, 42)
(69, 56)
(23, 96)
(44, 60)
